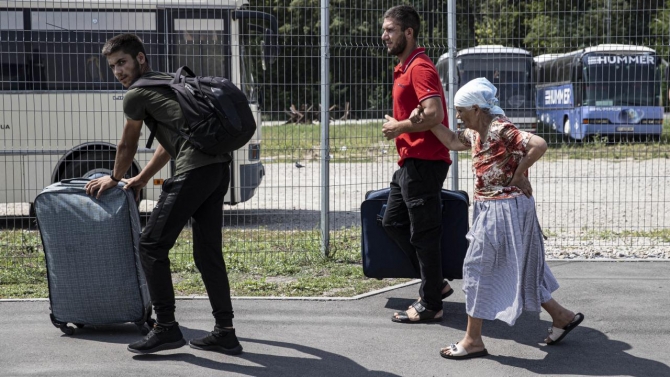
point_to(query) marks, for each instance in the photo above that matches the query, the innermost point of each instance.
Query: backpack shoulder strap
(147, 83)
(150, 140)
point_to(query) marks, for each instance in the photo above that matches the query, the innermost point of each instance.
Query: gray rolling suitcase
(91, 247)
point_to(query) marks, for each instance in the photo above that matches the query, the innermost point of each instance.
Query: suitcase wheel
(67, 330)
(145, 327)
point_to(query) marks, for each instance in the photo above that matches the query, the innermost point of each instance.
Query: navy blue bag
(382, 258)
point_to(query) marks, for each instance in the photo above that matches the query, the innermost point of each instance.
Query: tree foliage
(360, 69)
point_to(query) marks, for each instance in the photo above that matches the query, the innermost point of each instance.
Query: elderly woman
(504, 271)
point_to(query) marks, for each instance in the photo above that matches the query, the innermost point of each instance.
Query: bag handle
(151, 138)
(72, 181)
(380, 215)
(177, 75)
(81, 180)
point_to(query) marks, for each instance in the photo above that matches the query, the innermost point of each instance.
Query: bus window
(248, 82)
(510, 84)
(624, 84)
(14, 71)
(61, 60)
(202, 45)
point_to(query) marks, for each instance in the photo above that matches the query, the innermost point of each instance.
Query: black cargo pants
(413, 219)
(197, 195)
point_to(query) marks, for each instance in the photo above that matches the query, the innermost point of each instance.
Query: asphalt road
(626, 332)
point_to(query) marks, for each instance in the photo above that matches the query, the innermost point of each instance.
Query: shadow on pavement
(606, 359)
(399, 303)
(123, 334)
(321, 363)
(315, 362)
(585, 351)
(19, 222)
(117, 334)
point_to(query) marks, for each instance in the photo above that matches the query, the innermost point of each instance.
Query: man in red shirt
(413, 216)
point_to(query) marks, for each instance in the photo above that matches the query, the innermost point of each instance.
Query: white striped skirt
(504, 272)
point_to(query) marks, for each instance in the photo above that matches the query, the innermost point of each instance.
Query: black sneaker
(220, 340)
(160, 338)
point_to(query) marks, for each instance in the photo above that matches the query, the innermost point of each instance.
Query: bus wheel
(90, 164)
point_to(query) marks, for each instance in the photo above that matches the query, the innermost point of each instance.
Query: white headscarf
(479, 92)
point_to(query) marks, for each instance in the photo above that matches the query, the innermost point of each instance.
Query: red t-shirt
(413, 82)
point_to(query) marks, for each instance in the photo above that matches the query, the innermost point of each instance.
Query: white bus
(510, 69)
(61, 107)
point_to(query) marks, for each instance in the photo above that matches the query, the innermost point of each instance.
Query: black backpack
(217, 112)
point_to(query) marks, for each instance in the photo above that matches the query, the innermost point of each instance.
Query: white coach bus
(510, 69)
(61, 107)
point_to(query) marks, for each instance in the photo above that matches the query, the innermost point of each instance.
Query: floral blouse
(495, 161)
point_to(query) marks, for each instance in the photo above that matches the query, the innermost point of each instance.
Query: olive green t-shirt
(159, 106)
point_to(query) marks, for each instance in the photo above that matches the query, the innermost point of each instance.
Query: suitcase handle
(70, 181)
(80, 181)
(380, 215)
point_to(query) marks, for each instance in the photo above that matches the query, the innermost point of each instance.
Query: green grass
(349, 142)
(260, 263)
(364, 142)
(22, 268)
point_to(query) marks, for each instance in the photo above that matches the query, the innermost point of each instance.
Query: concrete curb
(357, 297)
(188, 298)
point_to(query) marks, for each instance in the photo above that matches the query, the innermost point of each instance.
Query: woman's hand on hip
(523, 184)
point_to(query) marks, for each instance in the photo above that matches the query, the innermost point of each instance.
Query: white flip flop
(459, 352)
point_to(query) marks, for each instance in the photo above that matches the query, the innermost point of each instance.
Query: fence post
(325, 124)
(453, 85)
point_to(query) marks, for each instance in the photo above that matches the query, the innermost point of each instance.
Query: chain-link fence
(588, 76)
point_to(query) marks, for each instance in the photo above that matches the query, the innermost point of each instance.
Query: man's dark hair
(129, 44)
(406, 16)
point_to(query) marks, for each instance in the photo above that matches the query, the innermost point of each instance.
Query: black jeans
(413, 219)
(196, 194)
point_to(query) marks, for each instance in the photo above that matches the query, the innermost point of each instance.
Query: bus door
(200, 39)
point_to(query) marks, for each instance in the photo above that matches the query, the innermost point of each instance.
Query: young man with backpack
(196, 193)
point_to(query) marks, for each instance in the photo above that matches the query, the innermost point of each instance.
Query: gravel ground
(589, 208)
